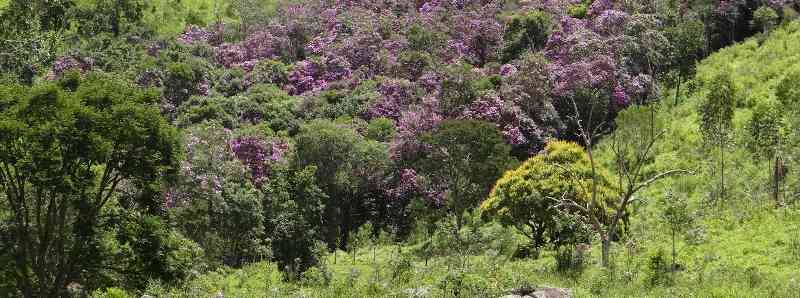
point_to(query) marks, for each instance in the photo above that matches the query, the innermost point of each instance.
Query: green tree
(349, 167)
(716, 114)
(524, 32)
(63, 155)
(113, 16)
(149, 250)
(765, 18)
(39, 15)
(675, 215)
(688, 43)
(465, 159)
(788, 90)
(528, 197)
(764, 129)
(214, 202)
(633, 146)
(294, 205)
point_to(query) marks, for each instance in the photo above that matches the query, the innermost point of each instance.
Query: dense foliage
(144, 143)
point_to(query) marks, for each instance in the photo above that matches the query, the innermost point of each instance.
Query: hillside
(394, 148)
(742, 247)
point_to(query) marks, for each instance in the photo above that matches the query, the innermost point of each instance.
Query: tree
(113, 16)
(764, 18)
(688, 43)
(294, 207)
(766, 135)
(716, 114)
(250, 12)
(788, 90)
(528, 197)
(39, 15)
(349, 167)
(765, 128)
(216, 200)
(675, 215)
(63, 154)
(632, 147)
(465, 158)
(525, 32)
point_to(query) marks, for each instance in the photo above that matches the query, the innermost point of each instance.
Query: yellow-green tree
(529, 197)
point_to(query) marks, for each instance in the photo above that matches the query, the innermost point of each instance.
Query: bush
(458, 283)
(317, 276)
(231, 82)
(525, 32)
(111, 293)
(659, 270)
(401, 268)
(381, 129)
(277, 108)
(764, 18)
(525, 251)
(269, 72)
(569, 261)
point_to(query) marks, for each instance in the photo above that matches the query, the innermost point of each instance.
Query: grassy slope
(741, 248)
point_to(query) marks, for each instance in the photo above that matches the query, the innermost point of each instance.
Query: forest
(399, 148)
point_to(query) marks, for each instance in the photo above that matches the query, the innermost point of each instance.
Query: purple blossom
(314, 75)
(620, 97)
(599, 6)
(610, 22)
(777, 4)
(153, 49)
(66, 63)
(514, 135)
(431, 82)
(407, 185)
(258, 155)
(150, 78)
(508, 70)
(203, 87)
(230, 54)
(412, 123)
(195, 34)
(395, 94)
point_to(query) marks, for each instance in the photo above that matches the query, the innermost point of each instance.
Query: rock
(522, 291)
(539, 292)
(418, 292)
(552, 293)
(147, 296)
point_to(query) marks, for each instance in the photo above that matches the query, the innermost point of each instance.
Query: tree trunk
(606, 241)
(677, 90)
(459, 225)
(673, 250)
(722, 171)
(776, 176)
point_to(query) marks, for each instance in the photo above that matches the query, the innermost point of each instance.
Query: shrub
(524, 32)
(658, 269)
(317, 276)
(111, 293)
(764, 18)
(231, 82)
(381, 129)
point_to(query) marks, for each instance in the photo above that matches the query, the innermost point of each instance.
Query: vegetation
(263, 148)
